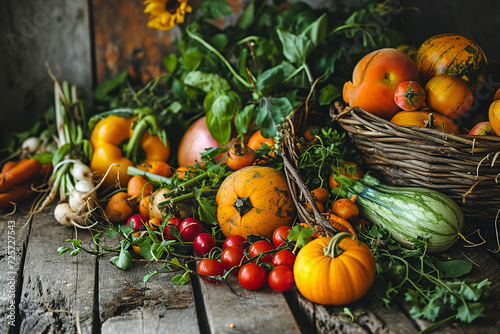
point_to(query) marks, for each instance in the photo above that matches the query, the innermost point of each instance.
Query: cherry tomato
(203, 243)
(176, 221)
(281, 279)
(190, 228)
(261, 246)
(167, 233)
(252, 276)
(136, 221)
(235, 240)
(280, 235)
(232, 256)
(284, 257)
(209, 267)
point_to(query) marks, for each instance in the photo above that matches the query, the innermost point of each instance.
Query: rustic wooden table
(42, 292)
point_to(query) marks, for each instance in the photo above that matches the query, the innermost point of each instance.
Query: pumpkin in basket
(426, 119)
(451, 54)
(254, 200)
(449, 95)
(375, 79)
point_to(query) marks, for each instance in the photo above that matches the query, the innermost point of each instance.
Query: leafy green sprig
(428, 283)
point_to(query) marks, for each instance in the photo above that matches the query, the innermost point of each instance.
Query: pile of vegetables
(224, 207)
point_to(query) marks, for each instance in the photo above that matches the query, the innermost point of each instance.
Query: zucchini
(407, 213)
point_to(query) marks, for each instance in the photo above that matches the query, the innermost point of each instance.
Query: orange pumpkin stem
(333, 249)
(242, 205)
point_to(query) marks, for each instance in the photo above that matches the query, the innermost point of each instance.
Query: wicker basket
(465, 168)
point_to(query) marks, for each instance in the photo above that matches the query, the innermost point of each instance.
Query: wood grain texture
(264, 311)
(13, 240)
(127, 304)
(57, 290)
(34, 33)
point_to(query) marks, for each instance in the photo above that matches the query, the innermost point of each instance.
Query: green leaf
(126, 230)
(60, 153)
(316, 31)
(145, 248)
(170, 62)
(470, 312)
(74, 252)
(192, 59)
(243, 119)
(272, 112)
(101, 92)
(157, 250)
(220, 107)
(175, 107)
(214, 9)
(296, 48)
(62, 250)
(123, 261)
(300, 235)
(454, 268)
(269, 79)
(146, 278)
(328, 94)
(44, 157)
(207, 209)
(206, 81)
(181, 279)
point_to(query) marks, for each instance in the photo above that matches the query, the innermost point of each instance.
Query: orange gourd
(334, 271)
(451, 54)
(448, 95)
(423, 119)
(254, 200)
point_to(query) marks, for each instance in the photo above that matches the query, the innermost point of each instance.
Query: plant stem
(131, 170)
(221, 57)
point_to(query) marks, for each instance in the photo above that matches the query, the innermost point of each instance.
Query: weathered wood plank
(33, 33)
(158, 306)
(264, 311)
(332, 319)
(13, 239)
(56, 291)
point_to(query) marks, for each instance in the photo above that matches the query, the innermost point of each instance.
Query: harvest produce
(334, 271)
(451, 54)
(427, 119)
(448, 95)
(376, 78)
(254, 200)
(408, 213)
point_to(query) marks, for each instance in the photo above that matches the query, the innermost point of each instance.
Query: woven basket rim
(379, 126)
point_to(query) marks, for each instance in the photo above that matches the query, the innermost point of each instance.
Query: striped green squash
(451, 54)
(409, 213)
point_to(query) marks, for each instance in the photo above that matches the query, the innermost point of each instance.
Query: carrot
(340, 224)
(346, 208)
(25, 170)
(16, 194)
(8, 166)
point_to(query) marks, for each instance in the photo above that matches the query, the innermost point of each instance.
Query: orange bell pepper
(124, 141)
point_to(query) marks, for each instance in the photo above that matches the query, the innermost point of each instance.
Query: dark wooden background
(88, 41)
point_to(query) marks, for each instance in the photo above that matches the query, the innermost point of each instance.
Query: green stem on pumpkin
(333, 249)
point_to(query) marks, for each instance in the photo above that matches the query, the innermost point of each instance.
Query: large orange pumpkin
(334, 271)
(451, 54)
(254, 200)
(422, 118)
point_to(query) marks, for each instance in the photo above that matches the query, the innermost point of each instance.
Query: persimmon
(409, 95)
(240, 156)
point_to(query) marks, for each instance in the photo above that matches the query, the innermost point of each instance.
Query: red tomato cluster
(252, 275)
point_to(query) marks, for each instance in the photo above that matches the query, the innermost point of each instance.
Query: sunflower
(165, 14)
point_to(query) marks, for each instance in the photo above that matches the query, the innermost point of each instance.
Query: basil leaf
(243, 119)
(220, 107)
(271, 112)
(296, 48)
(206, 81)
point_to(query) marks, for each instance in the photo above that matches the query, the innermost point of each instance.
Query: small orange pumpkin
(494, 116)
(423, 118)
(334, 271)
(448, 95)
(254, 200)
